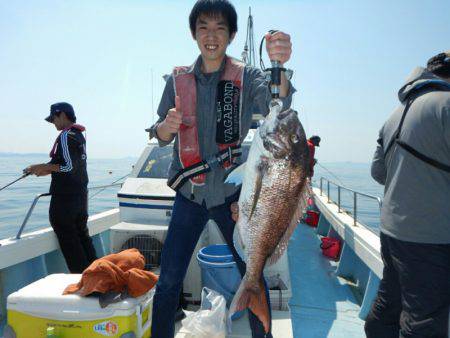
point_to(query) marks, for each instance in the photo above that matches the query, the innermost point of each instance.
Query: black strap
(399, 129)
(408, 148)
(424, 158)
(226, 155)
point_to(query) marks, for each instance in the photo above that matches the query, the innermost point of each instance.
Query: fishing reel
(273, 74)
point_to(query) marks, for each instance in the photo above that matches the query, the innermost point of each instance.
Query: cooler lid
(44, 298)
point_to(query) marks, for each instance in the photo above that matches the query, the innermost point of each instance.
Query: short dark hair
(440, 65)
(70, 117)
(214, 8)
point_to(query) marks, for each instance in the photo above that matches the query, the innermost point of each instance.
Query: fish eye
(294, 138)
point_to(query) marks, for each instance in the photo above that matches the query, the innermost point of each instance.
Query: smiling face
(213, 37)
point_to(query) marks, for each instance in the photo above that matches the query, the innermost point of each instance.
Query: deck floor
(322, 305)
(281, 327)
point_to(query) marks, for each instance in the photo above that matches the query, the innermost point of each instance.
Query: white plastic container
(41, 304)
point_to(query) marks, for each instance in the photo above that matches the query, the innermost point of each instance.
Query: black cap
(57, 108)
(440, 64)
(315, 139)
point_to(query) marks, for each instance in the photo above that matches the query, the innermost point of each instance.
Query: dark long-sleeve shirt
(70, 155)
(256, 97)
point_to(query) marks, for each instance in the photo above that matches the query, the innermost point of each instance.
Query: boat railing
(36, 199)
(355, 194)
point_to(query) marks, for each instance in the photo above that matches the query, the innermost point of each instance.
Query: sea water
(16, 200)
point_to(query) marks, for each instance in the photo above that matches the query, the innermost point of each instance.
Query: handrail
(25, 221)
(33, 204)
(355, 197)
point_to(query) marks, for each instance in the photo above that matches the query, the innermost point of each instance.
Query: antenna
(249, 58)
(248, 55)
(153, 108)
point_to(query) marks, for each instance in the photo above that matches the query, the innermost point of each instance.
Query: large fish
(273, 199)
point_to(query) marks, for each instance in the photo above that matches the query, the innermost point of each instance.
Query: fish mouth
(273, 143)
(285, 113)
(282, 134)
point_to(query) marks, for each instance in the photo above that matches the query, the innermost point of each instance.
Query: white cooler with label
(41, 304)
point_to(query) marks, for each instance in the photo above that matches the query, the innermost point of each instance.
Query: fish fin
(236, 176)
(295, 220)
(261, 171)
(254, 299)
(239, 244)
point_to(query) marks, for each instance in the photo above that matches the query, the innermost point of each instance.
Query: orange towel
(116, 272)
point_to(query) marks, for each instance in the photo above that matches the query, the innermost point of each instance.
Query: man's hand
(279, 47)
(40, 169)
(171, 123)
(234, 207)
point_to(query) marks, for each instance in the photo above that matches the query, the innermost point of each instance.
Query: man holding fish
(207, 109)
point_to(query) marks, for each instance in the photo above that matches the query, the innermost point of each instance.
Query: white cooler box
(41, 304)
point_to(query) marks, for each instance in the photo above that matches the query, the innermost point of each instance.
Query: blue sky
(349, 57)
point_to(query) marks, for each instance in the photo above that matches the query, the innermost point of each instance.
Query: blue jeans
(187, 223)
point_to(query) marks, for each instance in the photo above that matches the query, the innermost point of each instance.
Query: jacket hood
(420, 78)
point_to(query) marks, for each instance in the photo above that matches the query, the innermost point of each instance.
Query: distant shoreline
(21, 155)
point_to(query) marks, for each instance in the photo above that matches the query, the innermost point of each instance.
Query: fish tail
(254, 298)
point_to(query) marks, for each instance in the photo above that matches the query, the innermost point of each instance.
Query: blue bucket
(216, 253)
(221, 276)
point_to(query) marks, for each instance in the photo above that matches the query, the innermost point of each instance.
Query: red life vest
(55, 145)
(312, 149)
(228, 106)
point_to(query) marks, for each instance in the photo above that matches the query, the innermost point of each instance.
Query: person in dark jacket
(412, 161)
(313, 142)
(69, 203)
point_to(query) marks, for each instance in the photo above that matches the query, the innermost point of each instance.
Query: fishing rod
(329, 171)
(16, 180)
(107, 186)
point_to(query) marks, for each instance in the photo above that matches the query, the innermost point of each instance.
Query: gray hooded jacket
(416, 206)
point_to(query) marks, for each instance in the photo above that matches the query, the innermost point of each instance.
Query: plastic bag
(211, 320)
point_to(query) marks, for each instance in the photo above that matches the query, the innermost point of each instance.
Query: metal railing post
(328, 191)
(339, 198)
(25, 221)
(30, 211)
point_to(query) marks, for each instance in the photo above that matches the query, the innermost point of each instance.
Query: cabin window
(157, 163)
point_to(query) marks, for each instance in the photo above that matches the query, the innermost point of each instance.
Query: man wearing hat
(412, 161)
(69, 204)
(313, 142)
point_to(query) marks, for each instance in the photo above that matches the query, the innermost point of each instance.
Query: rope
(330, 172)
